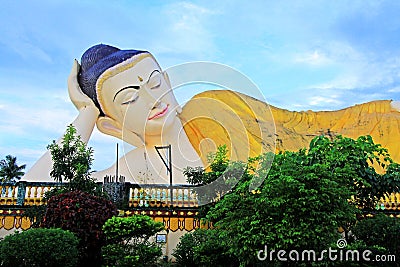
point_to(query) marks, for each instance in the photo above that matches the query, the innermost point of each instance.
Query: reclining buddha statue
(126, 94)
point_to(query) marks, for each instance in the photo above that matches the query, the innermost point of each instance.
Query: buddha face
(138, 99)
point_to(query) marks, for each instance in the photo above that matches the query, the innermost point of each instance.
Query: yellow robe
(250, 127)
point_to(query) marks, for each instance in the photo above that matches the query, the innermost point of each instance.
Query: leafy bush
(380, 230)
(124, 255)
(131, 229)
(203, 248)
(39, 247)
(82, 214)
(360, 246)
(128, 241)
(184, 251)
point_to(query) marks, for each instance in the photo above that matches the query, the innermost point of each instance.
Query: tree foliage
(10, 171)
(380, 230)
(214, 182)
(359, 161)
(203, 247)
(219, 161)
(129, 242)
(83, 214)
(72, 161)
(305, 197)
(221, 176)
(39, 247)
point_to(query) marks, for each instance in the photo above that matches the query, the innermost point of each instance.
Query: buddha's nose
(156, 105)
(151, 99)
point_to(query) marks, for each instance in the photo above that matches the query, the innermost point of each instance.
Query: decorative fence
(176, 206)
(137, 196)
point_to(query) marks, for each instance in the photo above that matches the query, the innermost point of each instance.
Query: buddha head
(132, 93)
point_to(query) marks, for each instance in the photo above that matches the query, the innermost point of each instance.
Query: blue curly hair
(96, 60)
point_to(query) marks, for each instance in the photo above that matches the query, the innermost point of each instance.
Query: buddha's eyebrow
(127, 87)
(151, 74)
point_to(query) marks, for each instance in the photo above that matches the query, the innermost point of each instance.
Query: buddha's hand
(80, 99)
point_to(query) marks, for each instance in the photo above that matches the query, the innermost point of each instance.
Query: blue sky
(319, 55)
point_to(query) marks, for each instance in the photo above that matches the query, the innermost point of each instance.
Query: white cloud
(341, 82)
(43, 123)
(24, 155)
(394, 89)
(31, 119)
(185, 31)
(46, 118)
(355, 69)
(323, 101)
(29, 153)
(371, 97)
(364, 74)
(30, 51)
(315, 58)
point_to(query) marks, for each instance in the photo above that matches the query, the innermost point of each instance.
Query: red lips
(159, 114)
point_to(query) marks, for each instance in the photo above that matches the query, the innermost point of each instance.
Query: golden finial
(140, 79)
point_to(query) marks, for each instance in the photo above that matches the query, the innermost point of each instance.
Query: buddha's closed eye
(154, 81)
(130, 97)
(132, 92)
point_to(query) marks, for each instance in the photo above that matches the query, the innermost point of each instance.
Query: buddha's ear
(176, 104)
(109, 126)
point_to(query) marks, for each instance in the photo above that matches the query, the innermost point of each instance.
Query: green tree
(305, 197)
(358, 160)
(203, 247)
(72, 161)
(380, 230)
(213, 184)
(78, 205)
(10, 171)
(363, 166)
(299, 206)
(129, 241)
